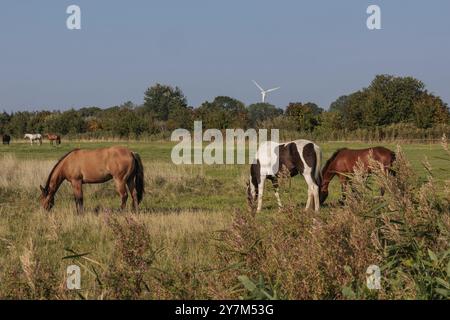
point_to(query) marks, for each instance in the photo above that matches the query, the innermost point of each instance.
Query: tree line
(389, 107)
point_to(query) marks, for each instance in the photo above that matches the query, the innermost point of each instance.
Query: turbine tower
(264, 92)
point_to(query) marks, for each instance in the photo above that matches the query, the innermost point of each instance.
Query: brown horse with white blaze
(342, 163)
(97, 166)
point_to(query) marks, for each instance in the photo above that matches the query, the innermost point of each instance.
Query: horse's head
(323, 192)
(47, 199)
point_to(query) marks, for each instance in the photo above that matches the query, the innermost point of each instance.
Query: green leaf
(443, 283)
(268, 295)
(348, 293)
(248, 284)
(76, 256)
(433, 256)
(378, 208)
(443, 292)
(408, 263)
(348, 270)
(448, 269)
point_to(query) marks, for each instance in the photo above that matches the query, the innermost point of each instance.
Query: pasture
(179, 230)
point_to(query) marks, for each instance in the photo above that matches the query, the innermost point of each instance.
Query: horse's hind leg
(132, 188)
(313, 192)
(308, 201)
(122, 191)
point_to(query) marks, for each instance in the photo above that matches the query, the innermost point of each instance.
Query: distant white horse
(298, 157)
(34, 137)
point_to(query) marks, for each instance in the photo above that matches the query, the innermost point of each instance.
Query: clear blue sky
(315, 50)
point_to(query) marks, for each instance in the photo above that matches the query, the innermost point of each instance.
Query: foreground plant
(297, 254)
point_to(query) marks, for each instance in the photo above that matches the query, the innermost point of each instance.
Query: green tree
(90, 112)
(259, 112)
(5, 118)
(37, 122)
(390, 99)
(305, 115)
(212, 116)
(123, 121)
(160, 99)
(331, 120)
(340, 104)
(429, 110)
(222, 113)
(387, 100)
(180, 117)
(19, 123)
(69, 122)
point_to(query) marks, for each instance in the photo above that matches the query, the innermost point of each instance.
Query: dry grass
(310, 256)
(24, 174)
(208, 250)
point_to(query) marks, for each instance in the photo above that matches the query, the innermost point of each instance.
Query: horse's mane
(53, 170)
(333, 156)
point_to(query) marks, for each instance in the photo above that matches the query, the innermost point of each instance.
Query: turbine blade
(271, 90)
(256, 84)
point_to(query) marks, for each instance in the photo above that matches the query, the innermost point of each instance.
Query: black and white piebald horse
(298, 157)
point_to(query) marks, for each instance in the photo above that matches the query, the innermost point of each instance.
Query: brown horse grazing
(54, 138)
(343, 162)
(97, 166)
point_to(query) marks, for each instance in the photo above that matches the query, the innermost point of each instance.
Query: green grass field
(184, 206)
(216, 187)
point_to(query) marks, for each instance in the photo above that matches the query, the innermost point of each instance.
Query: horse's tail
(318, 168)
(139, 176)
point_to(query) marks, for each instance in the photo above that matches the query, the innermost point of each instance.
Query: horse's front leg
(276, 187)
(77, 186)
(344, 183)
(260, 194)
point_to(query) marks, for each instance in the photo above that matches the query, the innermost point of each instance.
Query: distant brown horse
(343, 162)
(97, 166)
(54, 138)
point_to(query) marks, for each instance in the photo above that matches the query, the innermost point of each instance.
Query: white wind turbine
(264, 92)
